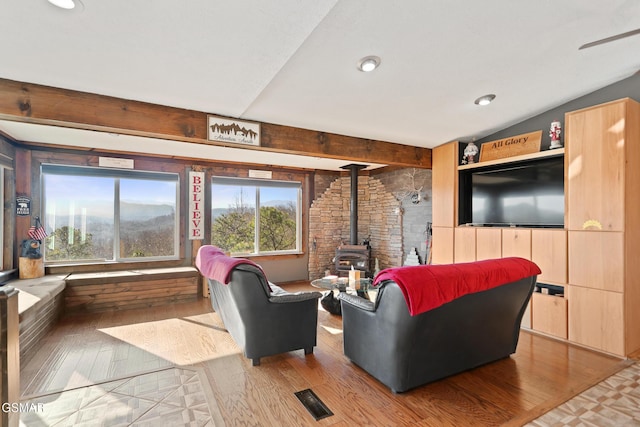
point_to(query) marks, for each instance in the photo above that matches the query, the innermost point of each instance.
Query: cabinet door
(549, 251)
(464, 249)
(442, 245)
(596, 260)
(596, 319)
(488, 243)
(595, 167)
(444, 183)
(549, 314)
(516, 242)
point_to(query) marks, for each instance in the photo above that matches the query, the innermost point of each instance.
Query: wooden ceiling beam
(32, 103)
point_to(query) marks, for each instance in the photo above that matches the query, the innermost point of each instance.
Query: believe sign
(196, 205)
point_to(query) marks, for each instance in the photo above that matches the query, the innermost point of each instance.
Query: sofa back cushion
(426, 287)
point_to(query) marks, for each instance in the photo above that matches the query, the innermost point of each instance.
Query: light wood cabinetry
(488, 243)
(595, 157)
(444, 182)
(516, 242)
(596, 260)
(596, 319)
(603, 218)
(595, 256)
(464, 244)
(549, 251)
(442, 245)
(549, 314)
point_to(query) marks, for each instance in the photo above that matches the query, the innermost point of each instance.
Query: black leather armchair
(262, 318)
(404, 351)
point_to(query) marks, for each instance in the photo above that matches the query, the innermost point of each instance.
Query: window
(94, 214)
(255, 216)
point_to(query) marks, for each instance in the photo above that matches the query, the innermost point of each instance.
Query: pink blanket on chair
(426, 287)
(214, 264)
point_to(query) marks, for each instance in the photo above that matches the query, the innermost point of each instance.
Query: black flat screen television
(528, 194)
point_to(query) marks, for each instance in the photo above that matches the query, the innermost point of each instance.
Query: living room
(54, 132)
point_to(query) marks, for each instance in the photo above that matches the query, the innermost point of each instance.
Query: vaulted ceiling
(293, 62)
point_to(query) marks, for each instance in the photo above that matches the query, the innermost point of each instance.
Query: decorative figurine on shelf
(469, 153)
(555, 132)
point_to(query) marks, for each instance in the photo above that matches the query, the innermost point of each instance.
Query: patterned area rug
(613, 402)
(168, 397)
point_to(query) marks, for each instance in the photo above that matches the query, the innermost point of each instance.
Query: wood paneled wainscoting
(93, 348)
(118, 290)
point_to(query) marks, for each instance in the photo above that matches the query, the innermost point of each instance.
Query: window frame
(258, 183)
(117, 175)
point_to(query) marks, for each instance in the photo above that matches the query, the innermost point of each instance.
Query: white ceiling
(293, 62)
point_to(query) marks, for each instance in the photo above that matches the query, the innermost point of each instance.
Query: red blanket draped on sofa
(214, 264)
(426, 287)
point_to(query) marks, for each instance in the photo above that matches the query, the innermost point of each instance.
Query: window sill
(288, 255)
(110, 266)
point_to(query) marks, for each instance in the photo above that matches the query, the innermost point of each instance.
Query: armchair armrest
(356, 301)
(280, 296)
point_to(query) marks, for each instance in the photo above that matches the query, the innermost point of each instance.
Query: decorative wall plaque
(23, 206)
(234, 131)
(526, 143)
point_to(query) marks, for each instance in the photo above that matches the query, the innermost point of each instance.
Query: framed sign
(23, 206)
(234, 131)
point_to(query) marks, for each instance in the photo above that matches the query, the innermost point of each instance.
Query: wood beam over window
(31, 103)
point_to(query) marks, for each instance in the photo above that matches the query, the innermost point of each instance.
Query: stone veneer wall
(415, 216)
(379, 219)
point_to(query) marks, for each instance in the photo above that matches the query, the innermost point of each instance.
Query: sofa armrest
(356, 301)
(280, 296)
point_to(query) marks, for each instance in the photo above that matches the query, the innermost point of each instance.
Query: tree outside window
(253, 217)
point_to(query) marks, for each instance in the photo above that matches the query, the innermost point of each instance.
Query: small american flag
(37, 231)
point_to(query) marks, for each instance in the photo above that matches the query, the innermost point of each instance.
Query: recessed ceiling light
(368, 63)
(63, 4)
(485, 100)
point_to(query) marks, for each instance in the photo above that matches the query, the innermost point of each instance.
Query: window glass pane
(233, 218)
(79, 218)
(94, 214)
(147, 218)
(254, 216)
(278, 219)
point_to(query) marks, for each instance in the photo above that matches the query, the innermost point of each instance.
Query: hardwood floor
(89, 349)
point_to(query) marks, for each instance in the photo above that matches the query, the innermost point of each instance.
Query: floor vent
(314, 405)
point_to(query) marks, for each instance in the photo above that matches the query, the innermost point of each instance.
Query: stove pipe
(353, 211)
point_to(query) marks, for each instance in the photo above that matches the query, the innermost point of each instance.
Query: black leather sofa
(404, 351)
(262, 318)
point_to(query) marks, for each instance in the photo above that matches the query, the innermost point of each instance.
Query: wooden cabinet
(603, 218)
(595, 165)
(464, 244)
(549, 314)
(488, 243)
(596, 319)
(444, 183)
(594, 256)
(596, 260)
(516, 242)
(549, 251)
(442, 245)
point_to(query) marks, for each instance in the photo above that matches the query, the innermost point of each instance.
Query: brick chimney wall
(378, 219)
